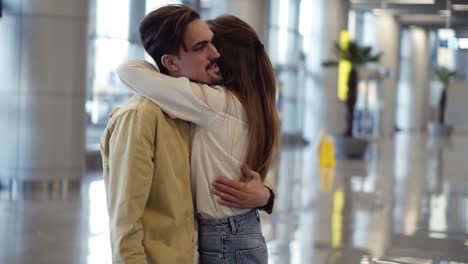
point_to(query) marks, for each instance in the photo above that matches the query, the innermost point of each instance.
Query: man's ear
(169, 62)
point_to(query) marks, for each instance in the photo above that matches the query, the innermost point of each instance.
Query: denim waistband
(236, 218)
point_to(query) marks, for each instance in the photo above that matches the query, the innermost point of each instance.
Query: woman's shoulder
(232, 106)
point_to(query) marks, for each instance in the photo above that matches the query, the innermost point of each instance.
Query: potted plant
(358, 56)
(439, 128)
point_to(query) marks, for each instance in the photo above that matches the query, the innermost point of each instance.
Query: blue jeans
(232, 240)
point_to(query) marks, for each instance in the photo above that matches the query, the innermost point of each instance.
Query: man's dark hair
(162, 31)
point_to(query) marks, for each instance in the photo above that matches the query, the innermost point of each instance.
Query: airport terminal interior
(375, 172)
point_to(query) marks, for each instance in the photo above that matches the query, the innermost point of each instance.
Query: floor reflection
(406, 203)
(99, 250)
(402, 205)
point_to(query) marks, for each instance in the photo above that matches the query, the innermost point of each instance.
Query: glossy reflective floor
(406, 203)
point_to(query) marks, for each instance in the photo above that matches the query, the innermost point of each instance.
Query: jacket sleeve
(131, 169)
(271, 202)
(179, 97)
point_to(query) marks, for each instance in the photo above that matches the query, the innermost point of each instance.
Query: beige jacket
(147, 178)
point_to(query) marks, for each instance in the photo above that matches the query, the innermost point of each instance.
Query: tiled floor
(407, 203)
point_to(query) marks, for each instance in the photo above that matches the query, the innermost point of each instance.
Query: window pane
(154, 4)
(109, 48)
(112, 18)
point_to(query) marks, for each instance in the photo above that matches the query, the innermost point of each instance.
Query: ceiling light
(446, 33)
(463, 44)
(387, 12)
(445, 13)
(408, 2)
(411, 2)
(460, 7)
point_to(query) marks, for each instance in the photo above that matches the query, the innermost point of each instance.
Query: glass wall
(287, 55)
(113, 39)
(369, 106)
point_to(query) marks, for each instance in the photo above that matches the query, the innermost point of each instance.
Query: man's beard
(214, 72)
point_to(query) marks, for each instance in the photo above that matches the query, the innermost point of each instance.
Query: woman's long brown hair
(248, 74)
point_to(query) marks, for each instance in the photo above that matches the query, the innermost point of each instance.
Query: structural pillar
(335, 20)
(387, 29)
(137, 13)
(321, 26)
(42, 95)
(413, 83)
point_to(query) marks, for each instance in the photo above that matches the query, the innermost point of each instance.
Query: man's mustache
(212, 64)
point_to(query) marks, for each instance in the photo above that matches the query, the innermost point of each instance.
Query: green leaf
(444, 75)
(356, 54)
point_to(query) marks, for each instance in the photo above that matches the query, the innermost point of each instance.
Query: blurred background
(373, 99)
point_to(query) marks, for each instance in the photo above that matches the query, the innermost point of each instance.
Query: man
(146, 152)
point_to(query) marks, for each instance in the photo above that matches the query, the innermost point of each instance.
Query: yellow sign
(344, 68)
(327, 152)
(327, 162)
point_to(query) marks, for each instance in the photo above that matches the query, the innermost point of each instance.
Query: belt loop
(233, 225)
(258, 215)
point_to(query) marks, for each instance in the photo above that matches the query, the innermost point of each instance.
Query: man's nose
(214, 54)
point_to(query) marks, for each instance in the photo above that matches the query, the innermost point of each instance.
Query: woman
(235, 124)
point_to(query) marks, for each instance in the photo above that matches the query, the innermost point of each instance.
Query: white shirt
(219, 140)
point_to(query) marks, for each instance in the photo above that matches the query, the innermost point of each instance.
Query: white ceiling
(417, 12)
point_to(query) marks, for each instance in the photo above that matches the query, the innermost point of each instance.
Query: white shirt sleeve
(178, 97)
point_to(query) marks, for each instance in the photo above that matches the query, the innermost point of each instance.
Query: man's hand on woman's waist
(251, 193)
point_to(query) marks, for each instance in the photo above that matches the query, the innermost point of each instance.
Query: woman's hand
(250, 193)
